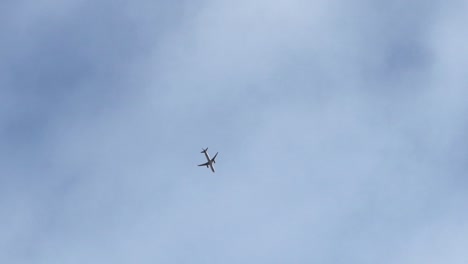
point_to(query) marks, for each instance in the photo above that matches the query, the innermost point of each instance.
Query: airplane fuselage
(207, 156)
(210, 162)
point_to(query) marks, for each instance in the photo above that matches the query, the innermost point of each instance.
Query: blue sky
(340, 125)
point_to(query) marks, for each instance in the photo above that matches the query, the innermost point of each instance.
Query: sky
(341, 128)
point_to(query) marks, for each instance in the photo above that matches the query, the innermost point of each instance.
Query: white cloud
(322, 157)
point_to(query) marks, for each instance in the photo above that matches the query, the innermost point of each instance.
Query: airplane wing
(213, 159)
(204, 164)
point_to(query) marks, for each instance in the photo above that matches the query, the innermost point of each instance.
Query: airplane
(210, 161)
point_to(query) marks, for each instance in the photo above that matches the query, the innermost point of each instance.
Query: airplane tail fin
(204, 150)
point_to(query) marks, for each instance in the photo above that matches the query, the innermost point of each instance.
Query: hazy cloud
(340, 128)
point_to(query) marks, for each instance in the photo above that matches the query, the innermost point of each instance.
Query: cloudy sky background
(341, 126)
